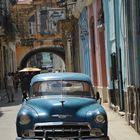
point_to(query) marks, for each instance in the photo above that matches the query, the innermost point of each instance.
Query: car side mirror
(98, 98)
(26, 99)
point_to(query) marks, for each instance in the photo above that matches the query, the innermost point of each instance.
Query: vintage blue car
(61, 106)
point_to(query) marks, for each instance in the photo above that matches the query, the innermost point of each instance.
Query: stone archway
(58, 50)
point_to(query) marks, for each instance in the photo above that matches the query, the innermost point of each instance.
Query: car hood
(66, 108)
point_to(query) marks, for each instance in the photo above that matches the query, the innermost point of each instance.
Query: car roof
(60, 76)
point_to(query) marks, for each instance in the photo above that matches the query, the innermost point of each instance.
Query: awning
(30, 69)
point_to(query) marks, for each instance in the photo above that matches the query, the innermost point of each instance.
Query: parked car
(61, 106)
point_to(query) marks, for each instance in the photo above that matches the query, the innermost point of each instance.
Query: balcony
(7, 27)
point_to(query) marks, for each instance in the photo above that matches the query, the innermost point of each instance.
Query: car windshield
(69, 88)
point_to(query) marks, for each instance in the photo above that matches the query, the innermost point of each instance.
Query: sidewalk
(118, 127)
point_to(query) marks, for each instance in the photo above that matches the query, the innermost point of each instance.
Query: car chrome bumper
(27, 139)
(100, 138)
(90, 138)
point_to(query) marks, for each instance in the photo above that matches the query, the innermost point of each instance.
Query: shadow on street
(17, 100)
(1, 113)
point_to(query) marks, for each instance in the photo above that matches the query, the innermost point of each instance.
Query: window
(68, 88)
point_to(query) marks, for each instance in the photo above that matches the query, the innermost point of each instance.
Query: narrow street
(96, 38)
(8, 113)
(118, 128)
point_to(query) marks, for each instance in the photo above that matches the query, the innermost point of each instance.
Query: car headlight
(96, 132)
(24, 119)
(100, 118)
(28, 134)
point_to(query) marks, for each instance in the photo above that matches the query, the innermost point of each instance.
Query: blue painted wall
(114, 37)
(120, 38)
(109, 36)
(84, 41)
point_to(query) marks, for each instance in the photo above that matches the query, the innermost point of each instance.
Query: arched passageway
(58, 50)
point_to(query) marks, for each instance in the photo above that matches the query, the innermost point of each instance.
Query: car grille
(58, 130)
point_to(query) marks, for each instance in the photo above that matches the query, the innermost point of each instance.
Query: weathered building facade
(7, 40)
(132, 49)
(113, 49)
(37, 22)
(97, 37)
(114, 19)
(92, 43)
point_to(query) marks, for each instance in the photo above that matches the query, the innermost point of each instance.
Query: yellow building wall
(20, 53)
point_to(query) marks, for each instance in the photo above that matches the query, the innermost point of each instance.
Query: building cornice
(80, 4)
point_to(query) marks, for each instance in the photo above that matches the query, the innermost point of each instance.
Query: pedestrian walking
(10, 87)
(25, 84)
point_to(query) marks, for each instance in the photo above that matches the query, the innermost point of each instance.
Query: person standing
(16, 81)
(5, 84)
(10, 87)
